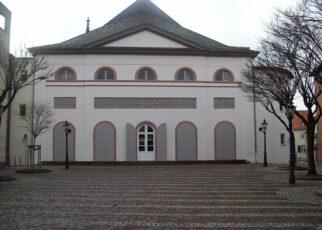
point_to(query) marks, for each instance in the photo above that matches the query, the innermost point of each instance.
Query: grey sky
(232, 22)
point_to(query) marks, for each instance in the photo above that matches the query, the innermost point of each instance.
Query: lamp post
(67, 131)
(290, 112)
(263, 129)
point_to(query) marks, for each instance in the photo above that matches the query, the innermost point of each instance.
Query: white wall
(145, 39)
(17, 141)
(84, 117)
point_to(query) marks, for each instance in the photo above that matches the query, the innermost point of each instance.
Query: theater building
(144, 88)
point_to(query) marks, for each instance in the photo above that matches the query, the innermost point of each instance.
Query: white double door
(146, 143)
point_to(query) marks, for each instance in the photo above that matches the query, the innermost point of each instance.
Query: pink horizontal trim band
(206, 86)
(163, 81)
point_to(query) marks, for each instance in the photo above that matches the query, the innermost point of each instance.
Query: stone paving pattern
(155, 197)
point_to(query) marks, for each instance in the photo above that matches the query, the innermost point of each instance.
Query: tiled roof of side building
(143, 15)
(297, 122)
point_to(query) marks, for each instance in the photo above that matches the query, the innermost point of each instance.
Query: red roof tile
(297, 122)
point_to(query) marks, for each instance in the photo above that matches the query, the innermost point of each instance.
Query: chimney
(87, 27)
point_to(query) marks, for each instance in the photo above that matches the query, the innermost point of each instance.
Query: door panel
(146, 143)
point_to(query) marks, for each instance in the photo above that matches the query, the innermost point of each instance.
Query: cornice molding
(142, 51)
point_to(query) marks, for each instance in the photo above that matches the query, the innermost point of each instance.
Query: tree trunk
(292, 140)
(1, 113)
(310, 150)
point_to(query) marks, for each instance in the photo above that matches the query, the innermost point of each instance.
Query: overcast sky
(232, 22)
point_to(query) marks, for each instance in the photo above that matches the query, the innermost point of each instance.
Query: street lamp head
(290, 110)
(264, 125)
(66, 126)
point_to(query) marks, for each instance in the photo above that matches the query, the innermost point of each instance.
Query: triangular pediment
(145, 39)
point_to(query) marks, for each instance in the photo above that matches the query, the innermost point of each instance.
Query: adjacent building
(300, 135)
(5, 22)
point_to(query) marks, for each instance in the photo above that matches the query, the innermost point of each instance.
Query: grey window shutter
(186, 135)
(60, 143)
(161, 143)
(225, 141)
(104, 142)
(130, 143)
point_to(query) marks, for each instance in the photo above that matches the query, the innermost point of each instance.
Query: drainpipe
(32, 108)
(255, 126)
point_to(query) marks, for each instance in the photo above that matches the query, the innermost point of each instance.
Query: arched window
(104, 142)
(146, 74)
(105, 73)
(185, 74)
(59, 142)
(65, 74)
(224, 75)
(186, 141)
(225, 141)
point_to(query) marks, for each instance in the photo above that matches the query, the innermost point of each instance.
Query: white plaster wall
(145, 39)
(276, 153)
(17, 143)
(165, 66)
(84, 117)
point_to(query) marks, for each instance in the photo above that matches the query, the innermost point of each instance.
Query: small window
(185, 75)
(224, 75)
(24, 76)
(65, 74)
(146, 74)
(22, 109)
(281, 108)
(282, 138)
(2, 22)
(303, 135)
(105, 74)
(301, 149)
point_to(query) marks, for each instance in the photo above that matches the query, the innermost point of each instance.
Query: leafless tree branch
(38, 119)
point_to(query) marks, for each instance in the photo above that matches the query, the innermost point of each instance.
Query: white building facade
(143, 88)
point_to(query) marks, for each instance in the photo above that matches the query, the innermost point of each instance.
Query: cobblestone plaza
(158, 197)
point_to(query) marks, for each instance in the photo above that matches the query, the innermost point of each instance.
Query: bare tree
(294, 43)
(269, 86)
(38, 119)
(17, 73)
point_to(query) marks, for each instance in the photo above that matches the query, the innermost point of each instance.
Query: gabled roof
(143, 15)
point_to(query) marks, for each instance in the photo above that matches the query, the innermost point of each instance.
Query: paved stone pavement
(154, 197)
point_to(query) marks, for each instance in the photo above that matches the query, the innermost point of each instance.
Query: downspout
(32, 109)
(255, 128)
(255, 123)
